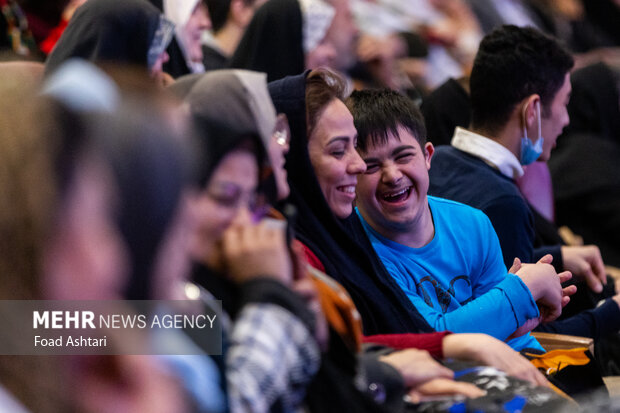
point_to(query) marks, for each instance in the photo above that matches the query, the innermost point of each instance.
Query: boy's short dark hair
(377, 113)
(513, 63)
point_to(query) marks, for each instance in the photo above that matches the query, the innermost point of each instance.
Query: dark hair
(322, 86)
(219, 10)
(511, 64)
(377, 113)
(218, 13)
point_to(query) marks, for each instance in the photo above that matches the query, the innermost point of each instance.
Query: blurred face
(342, 34)
(231, 189)
(242, 13)
(86, 257)
(278, 148)
(555, 118)
(198, 22)
(333, 156)
(391, 194)
(322, 55)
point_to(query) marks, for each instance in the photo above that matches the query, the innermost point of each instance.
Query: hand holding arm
(545, 286)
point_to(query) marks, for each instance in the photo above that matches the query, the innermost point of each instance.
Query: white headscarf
(317, 17)
(83, 87)
(179, 12)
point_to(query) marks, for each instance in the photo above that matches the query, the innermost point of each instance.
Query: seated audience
(244, 191)
(441, 37)
(318, 226)
(448, 107)
(444, 255)
(297, 29)
(333, 374)
(229, 19)
(534, 88)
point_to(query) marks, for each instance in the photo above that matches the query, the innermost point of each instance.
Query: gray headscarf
(238, 98)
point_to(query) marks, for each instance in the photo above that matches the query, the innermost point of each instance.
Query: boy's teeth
(396, 195)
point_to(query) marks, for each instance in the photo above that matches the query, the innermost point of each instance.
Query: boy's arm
(498, 312)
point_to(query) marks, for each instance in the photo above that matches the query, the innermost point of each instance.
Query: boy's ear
(429, 150)
(528, 109)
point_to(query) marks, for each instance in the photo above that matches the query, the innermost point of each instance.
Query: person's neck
(228, 38)
(509, 136)
(416, 234)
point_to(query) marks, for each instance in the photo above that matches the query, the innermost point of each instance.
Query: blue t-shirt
(458, 281)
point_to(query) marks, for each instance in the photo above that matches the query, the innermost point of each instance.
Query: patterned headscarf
(317, 17)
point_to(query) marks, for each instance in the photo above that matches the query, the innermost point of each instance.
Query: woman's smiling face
(333, 156)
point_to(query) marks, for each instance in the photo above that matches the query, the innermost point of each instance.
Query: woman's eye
(337, 154)
(225, 200)
(226, 195)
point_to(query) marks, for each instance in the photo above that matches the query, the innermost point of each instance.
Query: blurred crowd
(254, 152)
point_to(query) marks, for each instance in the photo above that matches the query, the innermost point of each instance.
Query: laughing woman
(269, 350)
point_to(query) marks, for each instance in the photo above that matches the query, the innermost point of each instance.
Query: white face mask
(530, 151)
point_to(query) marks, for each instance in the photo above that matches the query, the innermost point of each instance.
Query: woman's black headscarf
(341, 245)
(112, 31)
(273, 41)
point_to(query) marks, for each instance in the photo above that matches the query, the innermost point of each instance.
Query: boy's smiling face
(391, 194)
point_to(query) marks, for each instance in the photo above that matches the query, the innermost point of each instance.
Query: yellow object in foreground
(554, 361)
